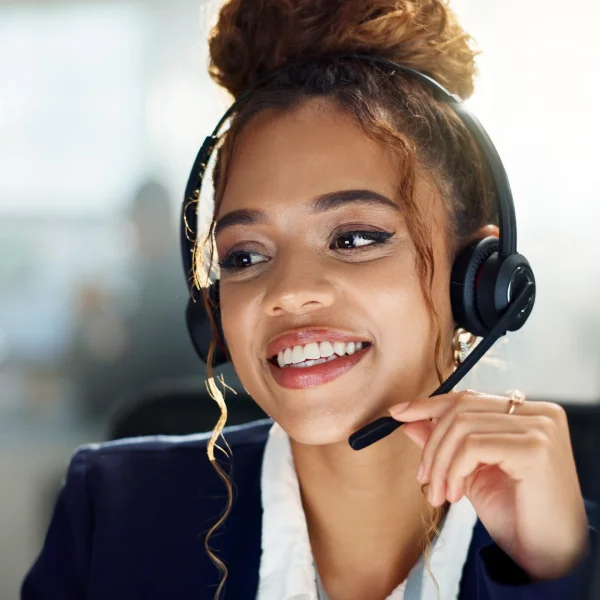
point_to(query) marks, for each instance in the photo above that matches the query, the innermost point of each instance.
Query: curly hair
(293, 49)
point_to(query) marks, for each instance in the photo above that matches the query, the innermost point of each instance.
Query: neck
(366, 515)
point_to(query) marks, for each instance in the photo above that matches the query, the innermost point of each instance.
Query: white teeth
(310, 363)
(339, 348)
(316, 353)
(326, 349)
(297, 354)
(312, 351)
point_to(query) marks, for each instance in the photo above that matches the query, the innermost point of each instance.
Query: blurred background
(103, 105)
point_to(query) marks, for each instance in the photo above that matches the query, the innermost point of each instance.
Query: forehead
(312, 149)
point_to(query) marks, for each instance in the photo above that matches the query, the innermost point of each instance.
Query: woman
(342, 196)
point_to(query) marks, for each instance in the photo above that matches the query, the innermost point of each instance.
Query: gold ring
(514, 397)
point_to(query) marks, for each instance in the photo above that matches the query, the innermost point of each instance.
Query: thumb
(418, 431)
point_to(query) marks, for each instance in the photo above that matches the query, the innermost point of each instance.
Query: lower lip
(303, 377)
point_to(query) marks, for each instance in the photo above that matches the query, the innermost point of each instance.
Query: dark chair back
(178, 408)
(584, 426)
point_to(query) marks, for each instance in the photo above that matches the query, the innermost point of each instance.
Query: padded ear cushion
(200, 329)
(500, 281)
(465, 284)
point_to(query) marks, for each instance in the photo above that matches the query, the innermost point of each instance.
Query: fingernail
(420, 472)
(395, 410)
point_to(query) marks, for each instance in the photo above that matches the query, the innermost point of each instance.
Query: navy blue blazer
(130, 521)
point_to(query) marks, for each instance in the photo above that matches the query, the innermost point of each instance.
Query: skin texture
(281, 164)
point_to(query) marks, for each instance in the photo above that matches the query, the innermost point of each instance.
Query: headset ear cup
(200, 329)
(466, 287)
(501, 279)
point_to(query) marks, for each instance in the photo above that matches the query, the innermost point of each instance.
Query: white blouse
(286, 567)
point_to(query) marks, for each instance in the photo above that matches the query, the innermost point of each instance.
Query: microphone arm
(382, 427)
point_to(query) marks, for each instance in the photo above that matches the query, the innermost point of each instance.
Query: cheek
(395, 301)
(243, 326)
(236, 317)
(402, 320)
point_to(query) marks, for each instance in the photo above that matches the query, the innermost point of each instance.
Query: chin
(318, 430)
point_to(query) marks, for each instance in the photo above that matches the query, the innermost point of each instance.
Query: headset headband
(492, 287)
(502, 191)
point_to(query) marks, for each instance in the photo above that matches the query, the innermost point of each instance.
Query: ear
(485, 231)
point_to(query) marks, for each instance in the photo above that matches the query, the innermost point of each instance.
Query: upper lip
(301, 337)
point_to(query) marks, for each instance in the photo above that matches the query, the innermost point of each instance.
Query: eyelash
(377, 237)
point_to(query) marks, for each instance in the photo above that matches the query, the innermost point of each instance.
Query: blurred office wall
(103, 105)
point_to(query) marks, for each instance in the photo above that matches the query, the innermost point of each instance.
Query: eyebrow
(320, 204)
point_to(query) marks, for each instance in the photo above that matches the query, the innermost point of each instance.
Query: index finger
(434, 407)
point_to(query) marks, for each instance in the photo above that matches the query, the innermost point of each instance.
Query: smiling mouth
(313, 362)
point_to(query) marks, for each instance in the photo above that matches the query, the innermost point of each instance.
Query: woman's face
(294, 264)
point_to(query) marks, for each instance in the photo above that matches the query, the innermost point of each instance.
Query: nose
(298, 287)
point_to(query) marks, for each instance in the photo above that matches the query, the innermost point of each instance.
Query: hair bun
(253, 38)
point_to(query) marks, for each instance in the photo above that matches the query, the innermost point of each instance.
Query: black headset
(492, 288)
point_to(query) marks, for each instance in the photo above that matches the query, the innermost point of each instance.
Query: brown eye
(238, 259)
(351, 240)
